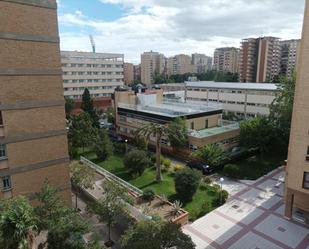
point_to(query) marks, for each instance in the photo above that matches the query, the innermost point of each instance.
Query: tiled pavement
(251, 219)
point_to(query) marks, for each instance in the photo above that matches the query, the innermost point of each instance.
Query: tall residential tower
(33, 135)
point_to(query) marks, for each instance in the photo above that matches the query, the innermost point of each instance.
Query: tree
(281, 111)
(69, 105)
(87, 106)
(155, 235)
(211, 154)
(17, 224)
(136, 161)
(177, 134)
(110, 206)
(81, 132)
(110, 112)
(65, 226)
(102, 145)
(141, 143)
(186, 183)
(257, 133)
(158, 131)
(82, 176)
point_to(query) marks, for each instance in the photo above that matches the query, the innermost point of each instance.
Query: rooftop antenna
(92, 43)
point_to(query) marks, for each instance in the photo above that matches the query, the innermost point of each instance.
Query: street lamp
(221, 181)
(126, 141)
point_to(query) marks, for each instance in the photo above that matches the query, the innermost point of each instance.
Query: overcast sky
(173, 26)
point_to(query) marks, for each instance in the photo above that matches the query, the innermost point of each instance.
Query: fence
(108, 174)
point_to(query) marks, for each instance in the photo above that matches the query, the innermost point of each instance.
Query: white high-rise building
(101, 73)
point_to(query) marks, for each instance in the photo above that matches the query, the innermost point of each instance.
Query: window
(307, 157)
(306, 180)
(6, 183)
(2, 151)
(1, 120)
(206, 123)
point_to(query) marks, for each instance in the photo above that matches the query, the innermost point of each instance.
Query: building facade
(260, 59)
(137, 72)
(152, 63)
(201, 63)
(289, 51)
(101, 73)
(297, 169)
(241, 100)
(128, 71)
(179, 64)
(226, 60)
(204, 123)
(33, 135)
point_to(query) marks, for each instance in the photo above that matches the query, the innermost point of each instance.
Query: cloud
(183, 26)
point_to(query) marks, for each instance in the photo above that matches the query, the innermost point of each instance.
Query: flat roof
(233, 85)
(172, 109)
(215, 130)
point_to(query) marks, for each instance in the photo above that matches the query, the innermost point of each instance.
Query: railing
(108, 174)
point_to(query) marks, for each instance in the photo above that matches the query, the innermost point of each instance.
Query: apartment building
(289, 51)
(137, 72)
(260, 59)
(101, 73)
(179, 64)
(152, 63)
(201, 63)
(242, 100)
(205, 125)
(128, 71)
(33, 135)
(226, 60)
(297, 169)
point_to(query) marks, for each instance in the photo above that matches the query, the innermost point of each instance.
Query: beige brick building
(226, 59)
(152, 63)
(297, 170)
(128, 73)
(33, 141)
(179, 64)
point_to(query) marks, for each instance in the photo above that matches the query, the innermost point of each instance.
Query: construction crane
(92, 43)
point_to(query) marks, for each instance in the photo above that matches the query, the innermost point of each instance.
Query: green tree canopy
(211, 154)
(69, 105)
(87, 106)
(136, 161)
(186, 183)
(178, 133)
(257, 133)
(102, 145)
(155, 235)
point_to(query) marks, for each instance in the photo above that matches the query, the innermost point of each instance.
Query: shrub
(178, 167)
(152, 157)
(221, 198)
(186, 183)
(167, 163)
(231, 170)
(120, 148)
(207, 180)
(162, 158)
(164, 169)
(137, 161)
(206, 207)
(148, 195)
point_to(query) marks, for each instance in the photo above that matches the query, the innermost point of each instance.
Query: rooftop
(173, 109)
(225, 127)
(236, 85)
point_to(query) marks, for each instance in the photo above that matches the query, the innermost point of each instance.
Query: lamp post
(126, 141)
(221, 181)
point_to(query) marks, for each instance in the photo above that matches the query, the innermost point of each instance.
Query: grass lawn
(114, 164)
(257, 166)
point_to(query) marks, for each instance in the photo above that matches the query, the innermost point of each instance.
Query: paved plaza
(251, 219)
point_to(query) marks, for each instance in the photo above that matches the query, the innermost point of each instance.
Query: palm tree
(158, 131)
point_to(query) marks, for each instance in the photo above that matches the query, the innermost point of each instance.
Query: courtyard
(253, 218)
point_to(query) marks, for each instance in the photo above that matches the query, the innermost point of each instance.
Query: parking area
(251, 219)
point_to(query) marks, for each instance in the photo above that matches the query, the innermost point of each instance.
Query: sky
(172, 27)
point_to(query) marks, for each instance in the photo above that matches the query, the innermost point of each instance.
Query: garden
(205, 199)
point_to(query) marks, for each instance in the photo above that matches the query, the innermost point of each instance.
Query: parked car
(205, 168)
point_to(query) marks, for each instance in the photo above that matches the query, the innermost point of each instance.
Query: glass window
(1, 120)
(2, 151)
(192, 125)
(306, 180)
(6, 183)
(307, 157)
(206, 123)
